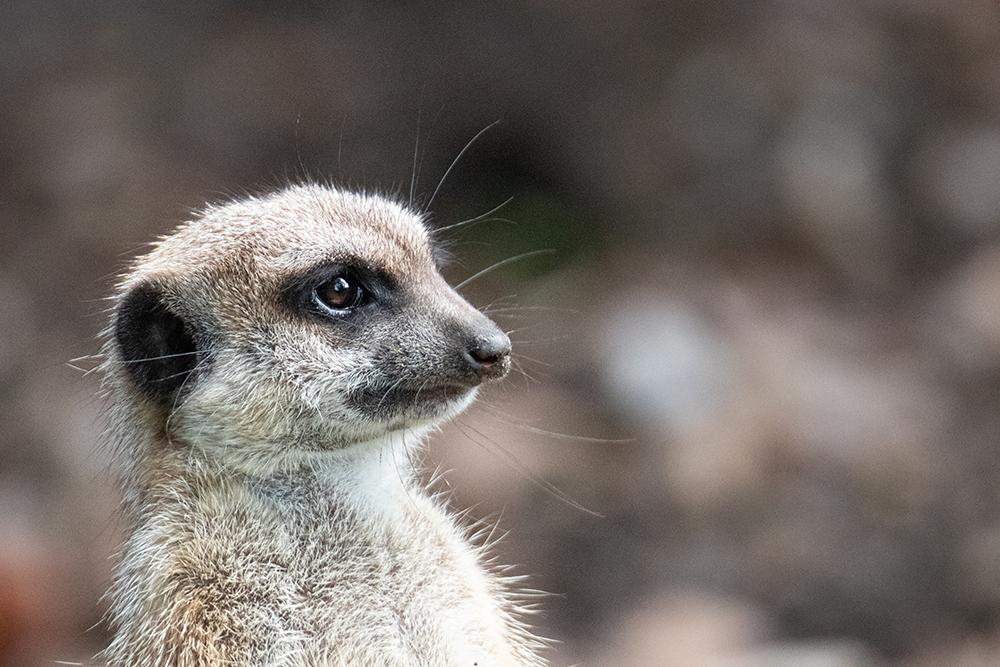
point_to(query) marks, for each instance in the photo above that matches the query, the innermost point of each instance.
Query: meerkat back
(273, 366)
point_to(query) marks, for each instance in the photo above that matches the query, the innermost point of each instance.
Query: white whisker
(455, 161)
(515, 258)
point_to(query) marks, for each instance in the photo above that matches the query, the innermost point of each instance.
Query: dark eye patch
(335, 289)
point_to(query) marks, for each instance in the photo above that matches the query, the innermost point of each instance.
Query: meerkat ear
(156, 345)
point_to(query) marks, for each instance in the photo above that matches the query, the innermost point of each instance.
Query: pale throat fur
(271, 366)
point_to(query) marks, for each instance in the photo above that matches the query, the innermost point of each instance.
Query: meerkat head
(311, 319)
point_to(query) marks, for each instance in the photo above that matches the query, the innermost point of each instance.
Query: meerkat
(273, 365)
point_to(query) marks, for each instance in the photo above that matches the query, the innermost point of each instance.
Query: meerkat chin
(271, 365)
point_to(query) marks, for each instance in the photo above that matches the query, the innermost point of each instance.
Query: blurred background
(764, 354)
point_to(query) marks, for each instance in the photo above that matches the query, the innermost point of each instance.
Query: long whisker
(505, 418)
(539, 341)
(96, 358)
(502, 301)
(547, 251)
(388, 391)
(340, 147)
(455, 161)
(400, 475)
(519, 367)
(548, 309)
(298, 152)
(529, 327)
(535, 361)
(531, 321)
(508, 458)
(175, 407)
(478, 218)
(416, 151)
(165, 356)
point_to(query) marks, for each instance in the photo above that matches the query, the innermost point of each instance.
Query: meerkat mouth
(441, 393)
(385, 401)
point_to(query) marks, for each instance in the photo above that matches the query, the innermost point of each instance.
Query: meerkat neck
(370, 473)
(394, 451)
(377, 469)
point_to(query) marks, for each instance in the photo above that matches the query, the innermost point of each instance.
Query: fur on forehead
(299, 227)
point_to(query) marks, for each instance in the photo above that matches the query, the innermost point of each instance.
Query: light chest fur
(273, 367)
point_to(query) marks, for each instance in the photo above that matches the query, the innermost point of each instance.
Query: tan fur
(273, 521)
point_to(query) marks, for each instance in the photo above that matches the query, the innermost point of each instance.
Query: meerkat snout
(489, 355)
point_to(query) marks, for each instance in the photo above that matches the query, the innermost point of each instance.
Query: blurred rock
(831, 165)
(972, 651)
(964, 316)
(663, 364)
(979, 567)
(767, 377)
(957, 171)
(685, 629)
(802, 654)
(35, 625)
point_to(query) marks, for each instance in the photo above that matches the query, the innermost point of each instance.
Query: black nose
(489, 355)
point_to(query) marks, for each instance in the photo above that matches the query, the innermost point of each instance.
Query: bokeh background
(764, 354)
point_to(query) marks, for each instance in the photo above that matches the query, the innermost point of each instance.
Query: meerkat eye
(341, 293)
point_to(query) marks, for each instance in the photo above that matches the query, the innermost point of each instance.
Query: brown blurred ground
(773, 313)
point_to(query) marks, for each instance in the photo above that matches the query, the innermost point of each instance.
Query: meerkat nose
(489, 354)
